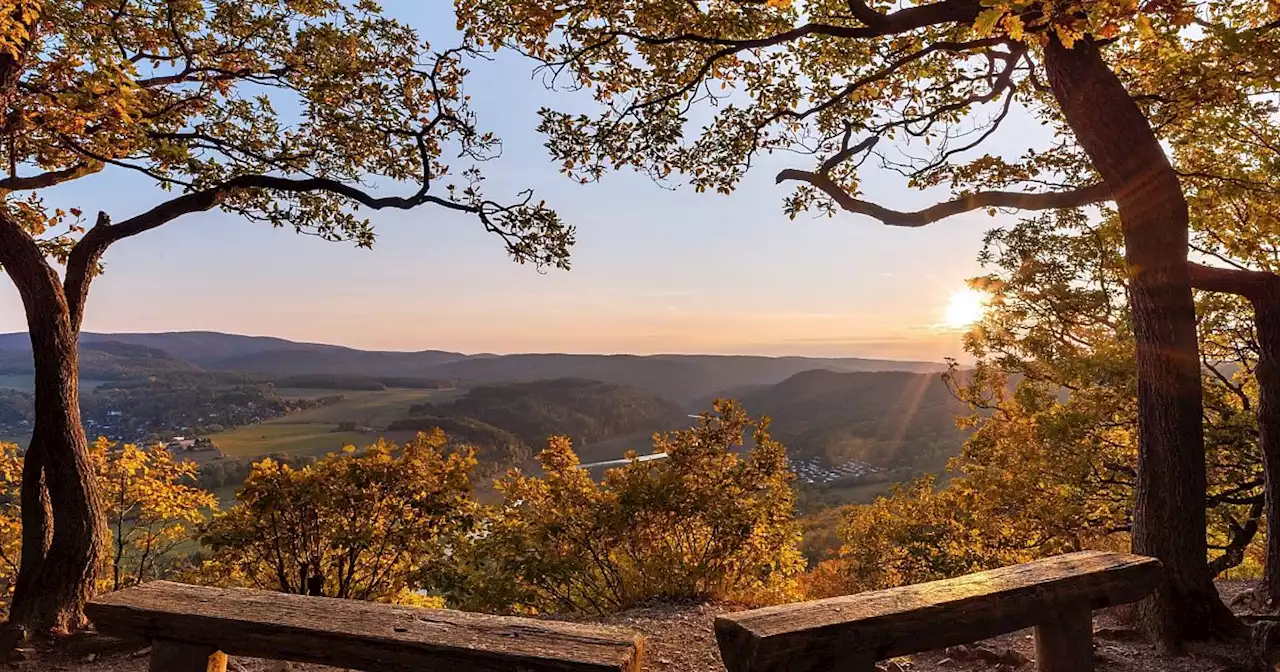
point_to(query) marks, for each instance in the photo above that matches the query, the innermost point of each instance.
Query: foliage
(273, 110)
(151, 508)
(358, 524)
(704, 522)
(10, 518)
(584, 410)
(1051, 464)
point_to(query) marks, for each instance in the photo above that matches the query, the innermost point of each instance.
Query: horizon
(655, 270)
(90, 332)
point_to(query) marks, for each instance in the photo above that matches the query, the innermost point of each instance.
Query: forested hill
(512, 421)
(685, 379)
(886, 418)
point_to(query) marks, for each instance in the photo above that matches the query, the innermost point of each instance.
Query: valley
(851, 426)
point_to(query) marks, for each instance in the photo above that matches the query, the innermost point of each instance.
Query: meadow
(316, 431)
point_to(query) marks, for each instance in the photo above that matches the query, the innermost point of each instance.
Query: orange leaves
(703, 522)
(360, 524)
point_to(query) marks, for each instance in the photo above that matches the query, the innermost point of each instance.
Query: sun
(964, 308)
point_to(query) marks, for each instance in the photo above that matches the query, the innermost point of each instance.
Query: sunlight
(964, 308)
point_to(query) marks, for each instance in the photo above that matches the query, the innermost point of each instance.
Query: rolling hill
(685, 379)
(889, 419)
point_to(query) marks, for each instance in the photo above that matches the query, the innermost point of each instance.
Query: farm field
(315, 431)
(306, 438)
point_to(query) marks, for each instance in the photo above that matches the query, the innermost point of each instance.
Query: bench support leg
(168, 656)
(1065, 644)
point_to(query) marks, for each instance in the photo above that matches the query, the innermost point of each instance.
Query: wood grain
(1065, 643)
(816, 635)
(360, 635)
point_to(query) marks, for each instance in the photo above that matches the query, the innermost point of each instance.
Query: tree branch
(82, 263)
(1076, 198)
(48, 179)
(1252, 285)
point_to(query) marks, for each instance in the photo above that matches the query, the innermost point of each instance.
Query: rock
(944, 662)
(24, 653)
(146, 651)
(280, 666)
(890, 666)
(90, 658)
(1013, 658)
(986, 655)
(960, 652)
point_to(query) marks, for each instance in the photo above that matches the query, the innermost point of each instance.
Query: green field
(314, 431)
(299, 438)
(366, 408)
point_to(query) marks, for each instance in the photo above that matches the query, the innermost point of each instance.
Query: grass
(294, 438)
(367, 408)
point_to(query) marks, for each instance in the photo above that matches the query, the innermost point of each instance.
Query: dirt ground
(679, 638)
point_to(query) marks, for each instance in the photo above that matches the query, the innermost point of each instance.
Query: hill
(587, 411)
(102, 360)
(686, 379)
(890, 419)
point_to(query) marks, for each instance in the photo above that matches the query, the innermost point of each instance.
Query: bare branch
(1249, 284)
(48, 179)
(1076, 198)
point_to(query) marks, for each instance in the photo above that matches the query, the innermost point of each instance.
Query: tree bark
(63, 526)
(1267, 323)
(1169, 512)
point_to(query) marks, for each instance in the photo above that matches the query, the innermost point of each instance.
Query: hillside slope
(686, 379)
(883, 418)
(584, 410)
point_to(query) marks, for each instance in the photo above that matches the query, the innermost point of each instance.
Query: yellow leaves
(987, 20)
(779, 4)
(701, 522)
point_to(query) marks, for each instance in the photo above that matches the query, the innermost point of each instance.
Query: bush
(357, 525)
(704, 523)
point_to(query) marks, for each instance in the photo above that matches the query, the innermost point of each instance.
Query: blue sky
(653, 271)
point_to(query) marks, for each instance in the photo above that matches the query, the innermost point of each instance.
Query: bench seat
(850, 633)
(192, 627)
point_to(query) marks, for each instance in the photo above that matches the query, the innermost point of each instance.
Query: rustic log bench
(194, 628)
(849, 634)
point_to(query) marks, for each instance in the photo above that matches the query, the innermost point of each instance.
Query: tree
(273, 110)
(357, 524)
(152, 506)
(835, 77)
(706, 522)
(10, 517)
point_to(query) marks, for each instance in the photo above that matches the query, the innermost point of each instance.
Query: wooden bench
(193, 628)
(849, 634)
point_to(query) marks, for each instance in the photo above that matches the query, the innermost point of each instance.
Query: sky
(653, 270)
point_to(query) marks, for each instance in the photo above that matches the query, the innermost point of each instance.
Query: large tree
(835, 78)
(286, 112)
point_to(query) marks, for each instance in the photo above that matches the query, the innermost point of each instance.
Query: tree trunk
(1266, 310)
(1169, 512)
(63, 526)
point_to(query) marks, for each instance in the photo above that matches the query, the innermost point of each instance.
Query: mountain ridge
(682, 378)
